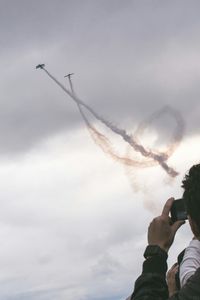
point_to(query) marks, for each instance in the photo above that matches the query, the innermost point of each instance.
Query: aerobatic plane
(69, 75)
(40, 66)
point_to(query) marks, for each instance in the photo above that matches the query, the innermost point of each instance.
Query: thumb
(177, 225)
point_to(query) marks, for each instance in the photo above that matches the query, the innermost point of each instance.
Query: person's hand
(161, 231)
(171, 280)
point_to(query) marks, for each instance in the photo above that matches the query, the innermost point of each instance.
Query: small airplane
(40, 66)
(69, 75)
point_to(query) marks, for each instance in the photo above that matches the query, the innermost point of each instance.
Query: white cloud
(72, 227)
(71, 223)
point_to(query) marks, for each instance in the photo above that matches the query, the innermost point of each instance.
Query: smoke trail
(103, 142)
(178, 132)
(158, 157)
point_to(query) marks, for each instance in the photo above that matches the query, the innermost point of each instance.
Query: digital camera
(178, 210)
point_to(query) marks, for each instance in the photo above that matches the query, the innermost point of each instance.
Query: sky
(73, 221)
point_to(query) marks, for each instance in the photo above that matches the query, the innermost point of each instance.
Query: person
(151, 284)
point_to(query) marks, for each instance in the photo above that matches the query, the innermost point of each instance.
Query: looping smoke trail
(176, 136)
(158, 157)
(179, 129)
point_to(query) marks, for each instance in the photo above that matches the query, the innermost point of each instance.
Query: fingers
(172, 271)
(174, 267)
(175, 226)
(167, 207)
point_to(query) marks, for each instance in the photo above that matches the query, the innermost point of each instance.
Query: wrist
(164, 248)
(155, 250)
(156, 260)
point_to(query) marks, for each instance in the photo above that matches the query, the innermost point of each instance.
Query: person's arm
(151, 285)
(190, 262)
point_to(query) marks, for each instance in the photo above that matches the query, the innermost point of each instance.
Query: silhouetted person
(152, 285)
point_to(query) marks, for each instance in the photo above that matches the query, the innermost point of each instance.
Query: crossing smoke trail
(106, 146)
(103, 142)
(160, 158)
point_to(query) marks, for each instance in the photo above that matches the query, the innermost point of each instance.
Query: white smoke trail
(103, 142)
(158, 157)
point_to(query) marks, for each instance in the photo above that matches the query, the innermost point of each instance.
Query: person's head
(191, 196)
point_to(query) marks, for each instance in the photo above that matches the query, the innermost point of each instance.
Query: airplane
(40, 66)
(69, 75)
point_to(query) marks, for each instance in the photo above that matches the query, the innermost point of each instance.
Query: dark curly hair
(191, 194)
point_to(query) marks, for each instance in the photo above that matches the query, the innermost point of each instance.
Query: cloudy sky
(73, 221)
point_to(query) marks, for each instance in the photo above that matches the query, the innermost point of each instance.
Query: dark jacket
(151, 285)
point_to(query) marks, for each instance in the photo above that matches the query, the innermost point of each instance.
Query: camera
(178, 210)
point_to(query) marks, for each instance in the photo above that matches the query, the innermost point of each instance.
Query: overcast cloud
(130, 58)
(69, 217)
